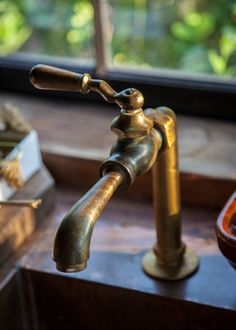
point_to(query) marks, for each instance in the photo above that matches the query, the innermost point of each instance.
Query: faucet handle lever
(51, 78)
(48, 77)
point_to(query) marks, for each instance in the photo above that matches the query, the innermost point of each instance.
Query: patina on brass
(72, 241)
(142, 135)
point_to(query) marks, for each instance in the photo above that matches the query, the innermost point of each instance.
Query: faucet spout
(72, 241)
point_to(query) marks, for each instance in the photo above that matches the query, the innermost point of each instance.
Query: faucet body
(145, 139)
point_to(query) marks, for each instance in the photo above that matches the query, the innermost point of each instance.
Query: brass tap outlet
(145, 139)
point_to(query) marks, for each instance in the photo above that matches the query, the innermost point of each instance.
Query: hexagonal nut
(131, 125)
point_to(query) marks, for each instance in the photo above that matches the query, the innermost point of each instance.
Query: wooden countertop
(126, 229)
(122, 235)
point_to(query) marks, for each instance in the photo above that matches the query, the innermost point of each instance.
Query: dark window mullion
(100, 36)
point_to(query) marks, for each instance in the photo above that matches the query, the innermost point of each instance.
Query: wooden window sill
(75, 137)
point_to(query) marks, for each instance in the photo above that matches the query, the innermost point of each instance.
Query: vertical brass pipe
(166, 199)
(169, 259)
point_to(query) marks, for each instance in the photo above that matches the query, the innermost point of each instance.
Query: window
(50, 28)
(187, 35)
(178, 52)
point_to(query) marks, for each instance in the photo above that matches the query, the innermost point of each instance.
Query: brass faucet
(145, 139)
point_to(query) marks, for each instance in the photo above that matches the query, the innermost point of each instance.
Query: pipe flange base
(170, 273)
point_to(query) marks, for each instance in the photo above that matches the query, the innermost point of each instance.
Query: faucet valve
(51, 78)
(138, 143)
(132, 121)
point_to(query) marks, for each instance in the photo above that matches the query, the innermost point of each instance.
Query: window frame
(206, 96)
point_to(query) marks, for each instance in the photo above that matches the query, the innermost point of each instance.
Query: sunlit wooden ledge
(75, 137)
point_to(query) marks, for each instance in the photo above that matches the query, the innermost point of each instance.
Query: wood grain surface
(76, 137)
(124, 232)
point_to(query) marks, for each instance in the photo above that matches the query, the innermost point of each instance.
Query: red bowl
(226, 230)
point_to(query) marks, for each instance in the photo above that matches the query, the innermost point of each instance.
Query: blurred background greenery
(195, 36)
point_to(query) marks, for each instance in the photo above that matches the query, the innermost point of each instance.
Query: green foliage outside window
(51, 27)
(13, 30)
(189, 35)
